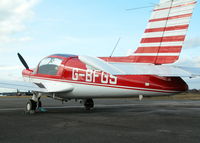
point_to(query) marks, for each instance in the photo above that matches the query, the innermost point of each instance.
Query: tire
(31, 105)
(88, 103)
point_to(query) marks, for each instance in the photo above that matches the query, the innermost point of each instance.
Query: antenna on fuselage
(138, 8)
(115, 46)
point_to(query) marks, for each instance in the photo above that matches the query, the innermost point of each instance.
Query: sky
(38, 28)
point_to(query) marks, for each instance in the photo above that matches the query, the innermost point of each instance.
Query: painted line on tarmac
(11, 109)
(62, 107)
(99, 105)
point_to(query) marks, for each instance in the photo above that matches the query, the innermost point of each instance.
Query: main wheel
(31, 106)
(88, 103)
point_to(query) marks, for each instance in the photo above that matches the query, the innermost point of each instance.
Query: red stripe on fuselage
(170, 18)
(163, 39)
(170, 28)
(106, 85)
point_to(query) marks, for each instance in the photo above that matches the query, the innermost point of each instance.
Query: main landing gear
(88, 103)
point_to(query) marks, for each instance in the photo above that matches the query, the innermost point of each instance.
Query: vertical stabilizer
(164, 36)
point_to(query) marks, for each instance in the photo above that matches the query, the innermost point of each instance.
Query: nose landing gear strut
(34, 104)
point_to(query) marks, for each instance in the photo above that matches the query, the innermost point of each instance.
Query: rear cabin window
(49, 66)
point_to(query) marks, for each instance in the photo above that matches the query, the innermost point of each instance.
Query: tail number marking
(94, 76)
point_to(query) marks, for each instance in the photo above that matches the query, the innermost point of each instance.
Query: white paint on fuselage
(98, 91)
(89, 91)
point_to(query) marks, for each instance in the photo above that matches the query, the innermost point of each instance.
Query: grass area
(182, 96)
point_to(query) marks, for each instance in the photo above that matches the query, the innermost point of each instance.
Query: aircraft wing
(140, 68)
(21, 85)
(160, 70)
(46, 87)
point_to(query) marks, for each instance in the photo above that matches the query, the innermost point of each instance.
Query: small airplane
(143, 73)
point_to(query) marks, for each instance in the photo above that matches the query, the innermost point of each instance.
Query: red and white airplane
(143, 73)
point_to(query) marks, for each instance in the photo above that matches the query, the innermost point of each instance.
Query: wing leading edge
(21, 85)
(46, 87)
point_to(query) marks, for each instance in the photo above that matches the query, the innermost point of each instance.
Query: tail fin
(165, 33)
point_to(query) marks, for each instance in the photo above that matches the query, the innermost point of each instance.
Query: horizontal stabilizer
(195, 72)
(159, 70)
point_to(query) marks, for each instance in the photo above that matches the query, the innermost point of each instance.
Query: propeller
(23, 61)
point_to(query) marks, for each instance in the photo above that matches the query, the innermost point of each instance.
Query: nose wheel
(34, 104)
(88, 104)
(31, 105)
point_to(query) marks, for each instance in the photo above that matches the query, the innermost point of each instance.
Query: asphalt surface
(112, 121)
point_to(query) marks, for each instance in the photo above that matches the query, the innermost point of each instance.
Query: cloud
(7, 39)
(192, 43)
(11, 72)
(13, 15)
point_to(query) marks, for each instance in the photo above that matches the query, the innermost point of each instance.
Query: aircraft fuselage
(91, 83)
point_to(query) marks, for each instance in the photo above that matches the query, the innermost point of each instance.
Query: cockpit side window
(49, 66)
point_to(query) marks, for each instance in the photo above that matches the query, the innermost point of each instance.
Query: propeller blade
(23, 61)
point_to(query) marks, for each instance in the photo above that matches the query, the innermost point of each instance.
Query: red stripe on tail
(161, 49)
(163, 39)
(155, 59)
(172, 17)
(171, 28)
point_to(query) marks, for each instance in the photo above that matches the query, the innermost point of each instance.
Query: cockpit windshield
(49, 66)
